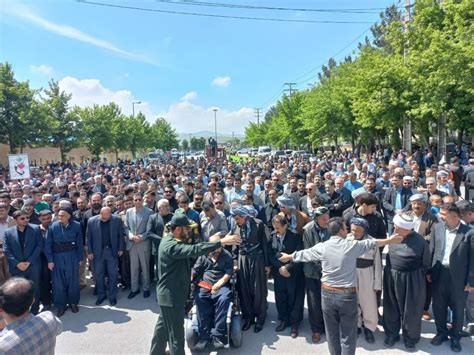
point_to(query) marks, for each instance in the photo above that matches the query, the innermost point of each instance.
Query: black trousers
(446, 295)
(289, 297)
(46, 289)
(404, 296)
(252, 287)
(124, 266)
(315, 312)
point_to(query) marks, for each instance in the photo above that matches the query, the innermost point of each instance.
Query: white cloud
(190, 96)
(185, 116)
(221, 81)
(25, 13)
(89, 92)
(188, 117)
(42, 69)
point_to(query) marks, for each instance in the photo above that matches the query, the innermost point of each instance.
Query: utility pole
(290, 88)
(215, 123)
(257, 114)
(441, 127)
(407, 121)
(233, 140)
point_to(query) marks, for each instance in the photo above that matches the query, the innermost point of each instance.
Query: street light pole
(215, 123)
(133, 107)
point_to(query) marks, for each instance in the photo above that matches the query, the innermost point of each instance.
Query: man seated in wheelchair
(212, 273)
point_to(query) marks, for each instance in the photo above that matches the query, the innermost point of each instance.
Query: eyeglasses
(168, 191)
(23, 218)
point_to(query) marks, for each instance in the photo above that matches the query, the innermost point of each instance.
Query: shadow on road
(89, 315)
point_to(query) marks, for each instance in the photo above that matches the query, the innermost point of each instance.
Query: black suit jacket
(291, 243)
(389, 200)
(461, 260)
(94, 236)
(31, 251)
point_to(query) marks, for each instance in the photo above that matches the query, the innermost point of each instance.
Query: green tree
(198, 143)
(20, 113)
(102, 128)
(62, 126)
(163, 135)
(185, 145)
(141, 133)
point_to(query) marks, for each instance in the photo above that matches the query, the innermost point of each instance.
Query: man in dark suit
(289, 278)
(299, 193)
(105, 244)
(395, 200)
(452, 273)
(22, 247)
(270, 210)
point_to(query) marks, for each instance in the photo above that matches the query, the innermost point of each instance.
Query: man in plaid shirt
(25, 333)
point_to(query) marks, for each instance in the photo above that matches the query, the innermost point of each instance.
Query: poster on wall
(19, 166)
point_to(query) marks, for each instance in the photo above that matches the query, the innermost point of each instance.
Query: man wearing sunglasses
(23, 245)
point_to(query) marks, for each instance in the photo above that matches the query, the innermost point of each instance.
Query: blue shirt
(351, 186)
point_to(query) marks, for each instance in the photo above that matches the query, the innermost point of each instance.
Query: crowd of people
(316, 226)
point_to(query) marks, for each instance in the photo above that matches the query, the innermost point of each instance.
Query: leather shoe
(281, 327)
(409, 346)
(200, 346)
(60, 312)
(146, 294)
(456, 345)
(316, 337)
(74, 308)
(113, 301)
(369, 336)
(439, 339)
(258, 328)
(247, 325)
(133, 294)
(390, 341)
(294, 332)
(100, 300)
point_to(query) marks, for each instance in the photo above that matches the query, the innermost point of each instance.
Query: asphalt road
(128, 327)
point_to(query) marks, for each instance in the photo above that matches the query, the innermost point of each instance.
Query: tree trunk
(63, 154)
(116, 155)
(460, 137)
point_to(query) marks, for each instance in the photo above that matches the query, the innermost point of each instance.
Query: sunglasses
(23, 218)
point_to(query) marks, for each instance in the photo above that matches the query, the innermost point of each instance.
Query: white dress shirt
(448, 244)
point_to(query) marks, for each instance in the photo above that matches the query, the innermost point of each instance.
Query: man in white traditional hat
(425, 223)
(404, 284)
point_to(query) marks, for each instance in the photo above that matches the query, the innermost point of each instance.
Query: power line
(298, 79)
(251, 7)
(269, 19)
(314, 69)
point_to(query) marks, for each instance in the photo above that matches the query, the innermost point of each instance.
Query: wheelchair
(233, 321)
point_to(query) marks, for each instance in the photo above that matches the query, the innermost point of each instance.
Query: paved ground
(127, 328)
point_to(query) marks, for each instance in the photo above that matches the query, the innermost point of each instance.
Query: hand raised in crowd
(231, 239)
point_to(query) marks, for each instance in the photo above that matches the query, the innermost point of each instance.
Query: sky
(179, 67)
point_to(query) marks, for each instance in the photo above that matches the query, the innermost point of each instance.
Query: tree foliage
(415, 72)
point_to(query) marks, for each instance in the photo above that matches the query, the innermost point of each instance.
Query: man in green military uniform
(174, 272)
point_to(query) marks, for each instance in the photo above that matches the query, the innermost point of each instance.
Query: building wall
(48, 154)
